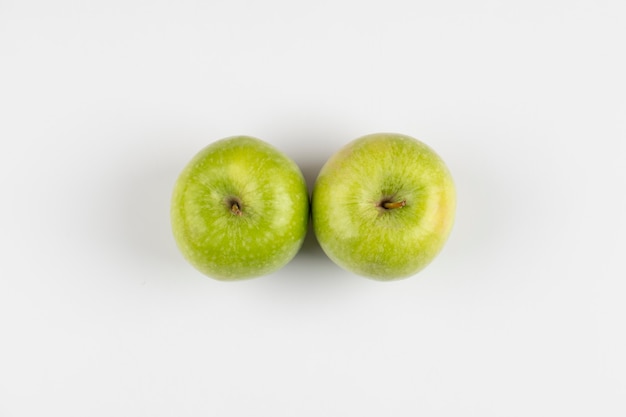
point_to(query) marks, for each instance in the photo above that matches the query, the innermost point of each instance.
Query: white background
(103, 103)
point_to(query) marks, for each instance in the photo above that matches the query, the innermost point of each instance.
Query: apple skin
(240, 209)
(350, 222)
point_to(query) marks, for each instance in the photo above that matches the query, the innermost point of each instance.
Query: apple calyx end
(236, 210)
(234, 206)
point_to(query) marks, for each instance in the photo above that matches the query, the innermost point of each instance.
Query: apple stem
(393, 205)
(235, 209)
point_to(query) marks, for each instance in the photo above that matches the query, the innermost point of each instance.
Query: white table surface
(103, 102)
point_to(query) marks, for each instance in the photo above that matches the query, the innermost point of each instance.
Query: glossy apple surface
(383, 206)
(239, 209)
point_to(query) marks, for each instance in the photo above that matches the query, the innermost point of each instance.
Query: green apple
(383, 206)
(240, 209)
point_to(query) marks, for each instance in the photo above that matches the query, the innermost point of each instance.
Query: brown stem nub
(235, 209)
(394, 204)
